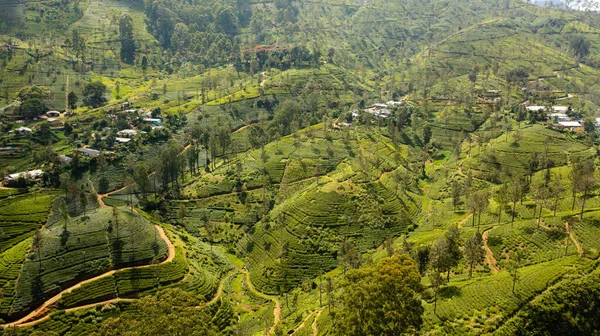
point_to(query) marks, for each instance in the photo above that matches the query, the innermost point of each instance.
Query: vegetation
(300, 168)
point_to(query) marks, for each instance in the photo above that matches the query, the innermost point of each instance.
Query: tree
(474, 252)
(348, 255)
(556, 189)
(580, 45)
(436, 279)
(382, 299)
(31, 108)
(515, 194)
(126, 38)
(453, 253)
(83, 201)
(72, 100)
(64, 212)
(501, 196)
(456, 193)
(93, 94)
(141, 178)
(512, 266)
(144, 63)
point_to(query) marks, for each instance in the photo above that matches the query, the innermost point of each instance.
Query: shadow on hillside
(449, 292)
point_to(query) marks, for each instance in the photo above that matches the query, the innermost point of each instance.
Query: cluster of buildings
(560, 117)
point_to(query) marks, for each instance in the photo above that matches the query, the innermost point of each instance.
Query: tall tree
(126, 38)
(348, 255)
(93, 94)
(437, 280)
(382, 299)
(501, 196)
(474, 251)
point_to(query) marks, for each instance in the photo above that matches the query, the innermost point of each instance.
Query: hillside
(217, 167)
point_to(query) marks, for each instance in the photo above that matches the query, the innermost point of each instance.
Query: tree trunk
(555, 205)
(583, 203)
(567, 245)
(448, 275)
(513, 212)
(499, 214)
(471, 269)
(573, 204)
(473, 221)
(513, 286)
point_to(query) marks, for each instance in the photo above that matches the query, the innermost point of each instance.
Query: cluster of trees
(280, 58)
(198, 16)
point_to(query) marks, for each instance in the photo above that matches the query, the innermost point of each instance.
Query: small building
(535, 108)
(122, 140)
(355, 114)
(379, 105)
(393, 103)
(153, 121)
(559, 117)
(54, 122)
(23, 130)
(569, 125)
(53, 114)
(64, 160)
(560, 109)
(32, 174)
(127, 133)
(88, 152)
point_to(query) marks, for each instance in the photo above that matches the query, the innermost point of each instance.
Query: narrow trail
(315, 328)
(30, 319)
(489, 255)
(219, 290)
(301, 325)
(574, 240)
(462, 222)
(276, 310)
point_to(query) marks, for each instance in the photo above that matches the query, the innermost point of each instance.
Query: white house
(53, 114)
(392, 103)
(23, 130)
(122, 140)
(570, 125)
(559, 117)
(127, 133)
(379, 105)
(153, 121)
(32, 174)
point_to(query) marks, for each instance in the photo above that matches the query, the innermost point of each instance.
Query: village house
(64, 160)
(53, 114)
(127, 133)
(559, 117)
(23, 130)
(573, 126)
(122, 140)
(88, 152)
(153, 121)
(32, 174)
(393, 103)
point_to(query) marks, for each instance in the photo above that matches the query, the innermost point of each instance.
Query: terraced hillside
(89, 246)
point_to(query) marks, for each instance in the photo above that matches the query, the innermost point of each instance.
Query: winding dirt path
(276, 310)
(489, 255)
(315, 327)
(219, 290)
(460, 224)
(301, 325)
(30, 319)
(580, 251)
